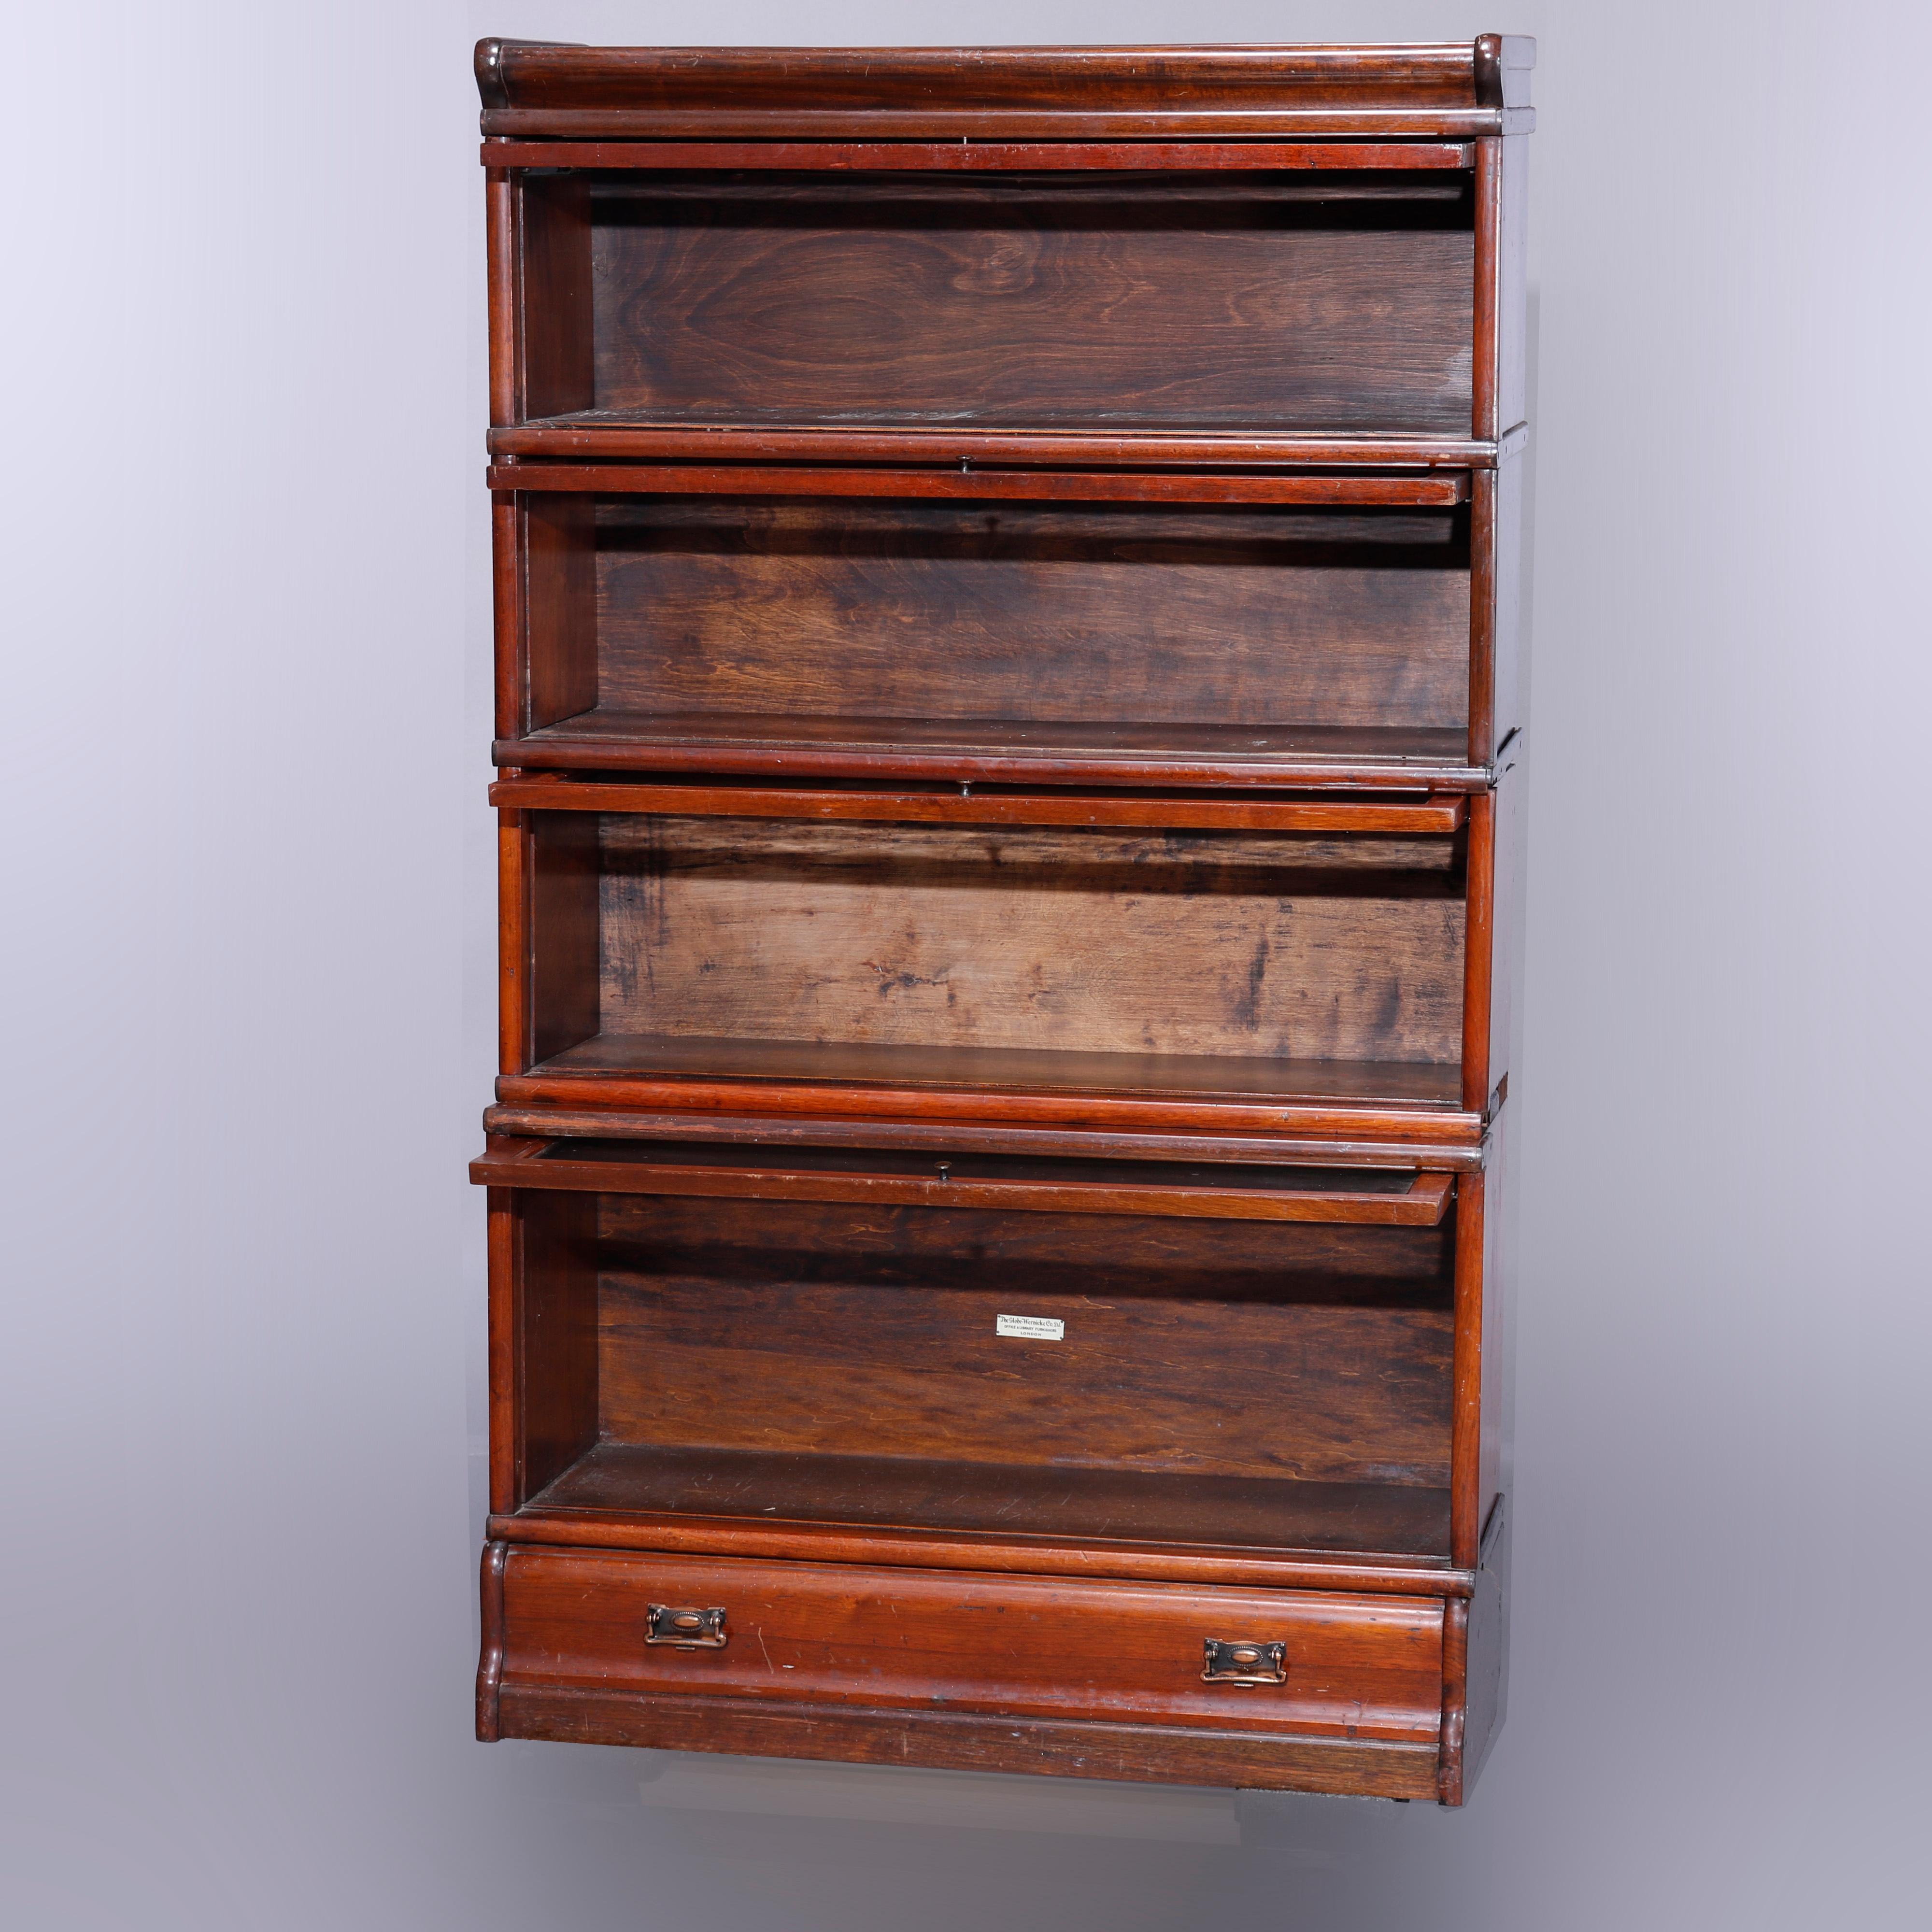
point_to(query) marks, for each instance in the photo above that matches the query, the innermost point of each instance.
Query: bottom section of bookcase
(1317, 1691)
(958, 1741)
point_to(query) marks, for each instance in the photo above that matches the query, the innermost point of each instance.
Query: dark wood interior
(1029, 955)
(1314, 300)
(1222, 630)
(1276, 1386)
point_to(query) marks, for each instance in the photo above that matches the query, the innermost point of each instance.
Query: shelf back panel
(1306, 301)
(1329, 619)
(1288, 1351)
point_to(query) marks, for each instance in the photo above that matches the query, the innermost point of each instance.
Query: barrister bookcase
(1007, 718)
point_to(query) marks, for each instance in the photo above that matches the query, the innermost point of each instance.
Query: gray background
(249, 962)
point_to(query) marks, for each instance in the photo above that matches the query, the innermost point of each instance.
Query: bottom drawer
(621, 1633)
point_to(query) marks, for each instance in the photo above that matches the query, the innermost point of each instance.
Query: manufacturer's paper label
(1030, 1328)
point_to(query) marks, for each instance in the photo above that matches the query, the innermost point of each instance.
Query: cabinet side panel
(500, 219)
(1503, 619)
(1482, 614)
(490, 1662)
(1512, 281)
(564, 996)
(1479, 958)
(1499, 1288)
(560, 606)
(1486, 1667)
(556, 1336)
(1466, 1437)
(554, 311)
(503, 1245)
(1506, 930)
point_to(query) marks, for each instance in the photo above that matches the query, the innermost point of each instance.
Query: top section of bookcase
(1204, 258)
(1451, 91)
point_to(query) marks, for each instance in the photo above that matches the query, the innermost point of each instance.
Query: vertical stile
(1466, 1428)
(500, 206)
(1489, 236)
(504, 1273)
(513, 950)
(1478, 950)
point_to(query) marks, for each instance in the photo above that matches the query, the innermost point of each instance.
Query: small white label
(1030, 1328)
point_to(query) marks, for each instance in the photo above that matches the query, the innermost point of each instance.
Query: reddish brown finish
(1089, 1188)
(506, 1272)
(979, 157)
(1489, 215)
(490, 1670)
(994, 752)
(500, 204)
(1423, 490)
(957, 1741)
(908, 726)
(513, 946)
(1466, 1443)
(1478, 948)
(1455, 1700)
(1423, 91)
(846, 1097)
(613, 435)
(885, 1131)
(1250, 813)
(916, 1547)
(1358, 1667)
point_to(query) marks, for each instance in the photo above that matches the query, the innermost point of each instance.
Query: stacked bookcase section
(1005, 570)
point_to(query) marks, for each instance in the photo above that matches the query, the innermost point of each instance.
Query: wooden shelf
(663, 434)
(605, 739)
(1211, 1514)
(1204, 1078)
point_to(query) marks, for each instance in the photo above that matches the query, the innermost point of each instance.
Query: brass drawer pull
(685, 1629)
(1230, 1662)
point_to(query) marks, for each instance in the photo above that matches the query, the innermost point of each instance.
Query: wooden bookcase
(1006, 569)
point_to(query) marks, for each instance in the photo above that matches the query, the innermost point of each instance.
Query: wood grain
(558, 1356)
(1315, 1351)
(1248, 811)
(960, 1740)
(976, 157)
(490, 1665)
(939, 937)
(883, 1129)
(1335, 618)
(1317, 1392)
(1370, 1515)
(862, 1051)
(703, 1499)
(1030, 1185)
(1358, 1667)
(764, 744)
(606, 436)
(1421, 489)
(797, 299)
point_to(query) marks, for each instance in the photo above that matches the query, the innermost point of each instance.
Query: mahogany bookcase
(1007, 629)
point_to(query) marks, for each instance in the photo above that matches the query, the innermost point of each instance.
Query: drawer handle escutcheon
(1231, 1662)
(685, 1629)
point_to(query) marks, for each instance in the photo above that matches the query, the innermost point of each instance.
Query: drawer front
(1351, 1666)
